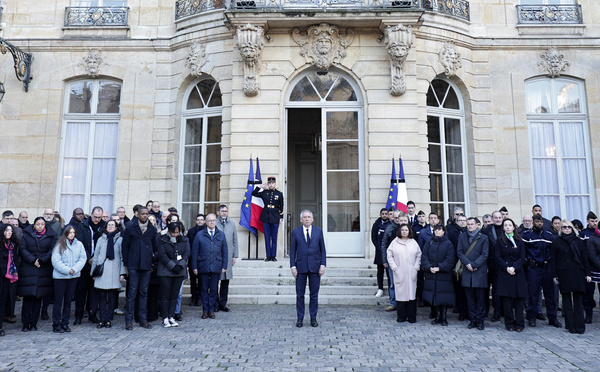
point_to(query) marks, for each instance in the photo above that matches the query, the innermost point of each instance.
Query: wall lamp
(23, 62)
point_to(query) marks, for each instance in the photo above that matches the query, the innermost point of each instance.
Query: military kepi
(271, 179)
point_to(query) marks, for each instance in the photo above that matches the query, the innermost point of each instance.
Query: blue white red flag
(393, 193)
(257, 204)
(402, 194)
(246, 214)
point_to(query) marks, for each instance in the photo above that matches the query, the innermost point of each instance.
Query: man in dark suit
(307, 261)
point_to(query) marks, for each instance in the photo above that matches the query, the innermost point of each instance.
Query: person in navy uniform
(271, 215)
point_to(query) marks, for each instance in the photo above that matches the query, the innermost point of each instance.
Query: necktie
(212, 234)
(307, 237)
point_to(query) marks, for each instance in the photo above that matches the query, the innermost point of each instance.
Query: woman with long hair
(570, 269)
(35, 271)
(9, 248)
(108, 253)
(68, 259)
(512, 284)
(404, 258)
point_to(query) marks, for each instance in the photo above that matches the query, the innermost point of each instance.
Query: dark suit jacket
(307, 258)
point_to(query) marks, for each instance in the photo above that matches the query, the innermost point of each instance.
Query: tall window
(447, 160)
(90, 137)
(200, 170)
(560, 152)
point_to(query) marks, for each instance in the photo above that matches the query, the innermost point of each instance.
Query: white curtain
(545, 173)
(575, 169)
(539, 97)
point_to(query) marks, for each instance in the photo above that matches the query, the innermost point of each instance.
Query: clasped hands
(295, 271)
(511, 270)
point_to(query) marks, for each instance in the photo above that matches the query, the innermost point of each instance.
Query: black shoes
(211, 315)
(541, 317)
(555, 323)
(92, 318)
(480, 326)
(2, 333)
(472, 324)
(178, 317)
(313, 322)
(66, 328)
(274, 259)
(204, 315)
(108, 324)
(77, 321)
(222, 308)
(100, 325)
(146, 325)
(531, 323)
(57, 329)
(299, 323)
(128, 327)
(496, 318)
(45, 315)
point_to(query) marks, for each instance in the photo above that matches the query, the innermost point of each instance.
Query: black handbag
(98, 270)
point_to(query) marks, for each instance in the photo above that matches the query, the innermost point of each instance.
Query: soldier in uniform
(272, 214)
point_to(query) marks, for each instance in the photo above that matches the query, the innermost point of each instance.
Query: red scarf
(11, 268)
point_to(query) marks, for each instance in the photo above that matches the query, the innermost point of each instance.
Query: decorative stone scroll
(250, 41)
(196, 59)
(322, 45)
(398, 40)
(450, 58)
(553, 62)
(93, 62)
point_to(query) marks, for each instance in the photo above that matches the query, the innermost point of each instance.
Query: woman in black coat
(437, 261)
(35, 271)
(570, 270)
(9, 254)
(512, 283)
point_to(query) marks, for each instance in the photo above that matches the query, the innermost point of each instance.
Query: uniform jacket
(425, 235)
(438, 288)
(113, 269)
(537, 245)
(569, 263)
(377, 232)
(478, 258)
(307, 258)
(273, 200)
(73, 258)
(168, 253)
(139, 249)
(593, 247)
(35, 281)
(404, 259)
(507, 255)
(209, 256)
(230, 231)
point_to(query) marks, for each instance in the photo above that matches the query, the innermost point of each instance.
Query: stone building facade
(488, 103)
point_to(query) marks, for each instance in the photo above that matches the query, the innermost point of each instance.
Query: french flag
(402, 194)
(257, 204)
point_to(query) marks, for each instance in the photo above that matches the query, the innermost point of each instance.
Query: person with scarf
(512, 284)
(108, 253)
(9, 248)
(35, 271)
(570, 269)
(68, 259)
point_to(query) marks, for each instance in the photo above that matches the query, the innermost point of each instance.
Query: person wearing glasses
(570, 269)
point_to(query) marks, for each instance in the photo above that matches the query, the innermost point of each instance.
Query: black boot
(588, 316)
(434, 314)
(444, 315)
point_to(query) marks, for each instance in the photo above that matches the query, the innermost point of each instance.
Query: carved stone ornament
(196, 59)
(250, 41)
(322, 45)
(93, 62)
(449, 58)
(553, 62)
(398, 40)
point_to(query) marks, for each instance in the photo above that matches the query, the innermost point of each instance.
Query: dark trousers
(12, 299)
(407, 310)
(85, 294)
(153, 303)
(314, 283)
(588, 300)
(107, 301)
(30, 310)
(572, 307)
(63, 296)
(169, 291)
(476, 299)
(4, 298)
(420, 282)
(208, 290)
(223, 293)
(137, 282)
(380, 270)
(496, 302)
(271, 230)
(513, 312)
(194, 286)
(540, 277)
(462, 304)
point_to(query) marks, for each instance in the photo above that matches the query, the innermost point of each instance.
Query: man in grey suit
(225, 224)
(307, 261)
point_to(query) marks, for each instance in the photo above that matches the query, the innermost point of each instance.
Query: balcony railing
(455, 8)
(549, 14)
(96, 16)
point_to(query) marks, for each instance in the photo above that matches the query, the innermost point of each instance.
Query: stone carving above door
(196, 58)
(250, 41)
(322, 45)
(553, 62)
(398, 40)
(450, 58)
(93, 62)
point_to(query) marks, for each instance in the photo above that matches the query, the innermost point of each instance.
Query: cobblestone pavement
(264, 338)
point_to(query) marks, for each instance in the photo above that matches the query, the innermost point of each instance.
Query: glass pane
(194, 100)
(193, 156)
(456, 191)
(439, 209)
(454, 205)
(210, 208)
(433, 129)
(213, 187)
(342, 155)
(74, 171)
(193, 131)
(213, 158)
(109, 97)
(545, 176)
(342, 217)
(538, 97)
(323, 82)
(76, 139)
(440, 87)
(191, 188)
(189, 213)
(105, 201)
(431, 98)
(303, 91)
(542, 140)
(69, 202)
(215, 99)
(214, 129)
(577, 207)
(568, 99)
(106, 139)
(103, 176)
(80, 97)
(206, 87)
(575, 176)
(342, 91)
(451, 101)
(550, 204)
(342, 125)
(435, 187)
(342, 186)
(435, 158)
(452, 131)
(572, 140)
(454, 159)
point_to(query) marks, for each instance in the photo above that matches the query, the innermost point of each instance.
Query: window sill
(96, 31)
(548, 30)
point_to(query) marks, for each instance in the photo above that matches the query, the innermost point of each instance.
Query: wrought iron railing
(96, 16)
(550, 14)
(455, 8)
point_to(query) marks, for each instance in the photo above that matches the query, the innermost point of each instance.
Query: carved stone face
(399, 50)
(93, 64)
(323, 45)
(249, 51)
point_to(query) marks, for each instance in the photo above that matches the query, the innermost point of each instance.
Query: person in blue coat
(209, 260)
(307, 261)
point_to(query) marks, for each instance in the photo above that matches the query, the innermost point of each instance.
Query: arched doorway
(325, 168)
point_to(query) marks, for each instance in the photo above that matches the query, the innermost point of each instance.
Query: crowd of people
(86, 260)
(458, 265)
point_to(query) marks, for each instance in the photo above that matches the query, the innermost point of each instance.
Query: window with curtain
(559, 145)
(447, 157)
(89, 146)
(200, 167)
